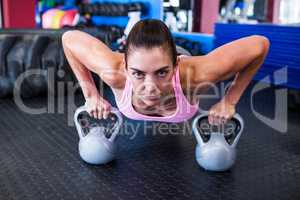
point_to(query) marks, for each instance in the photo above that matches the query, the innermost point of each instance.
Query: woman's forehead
(148, 59)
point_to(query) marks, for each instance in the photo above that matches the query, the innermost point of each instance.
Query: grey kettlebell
(94, 147)
(216, 148)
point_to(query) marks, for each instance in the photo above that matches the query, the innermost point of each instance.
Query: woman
(150, 82)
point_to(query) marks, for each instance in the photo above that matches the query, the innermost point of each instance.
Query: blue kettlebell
(94, 147)
(216, 148)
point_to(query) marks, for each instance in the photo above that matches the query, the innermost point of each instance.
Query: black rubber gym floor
(39, 159)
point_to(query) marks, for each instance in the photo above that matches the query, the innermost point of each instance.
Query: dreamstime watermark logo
(65, 92)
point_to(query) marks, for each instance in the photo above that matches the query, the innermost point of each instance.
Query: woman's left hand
(221, 112)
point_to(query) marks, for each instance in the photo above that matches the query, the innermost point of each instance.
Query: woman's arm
(86, 53)
(241, 58)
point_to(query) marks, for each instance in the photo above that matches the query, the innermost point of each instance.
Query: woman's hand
(221, 112)
(98, 107)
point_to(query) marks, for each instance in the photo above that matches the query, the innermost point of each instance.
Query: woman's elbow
(67, 37)
(262, 44)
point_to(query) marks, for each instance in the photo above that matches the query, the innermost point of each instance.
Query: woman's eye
(138, 75)
(162, 73)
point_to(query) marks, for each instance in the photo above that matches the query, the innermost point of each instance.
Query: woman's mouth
(152, 98)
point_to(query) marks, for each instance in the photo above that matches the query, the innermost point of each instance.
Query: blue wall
(206, 40)
(284, 50)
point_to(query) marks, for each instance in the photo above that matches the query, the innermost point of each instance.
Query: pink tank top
(183, 112)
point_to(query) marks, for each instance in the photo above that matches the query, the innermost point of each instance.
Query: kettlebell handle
(116, 127)
(236, 118)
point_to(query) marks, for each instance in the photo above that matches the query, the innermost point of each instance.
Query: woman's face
(150, 71)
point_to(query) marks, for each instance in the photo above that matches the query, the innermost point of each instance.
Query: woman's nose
(151, 86)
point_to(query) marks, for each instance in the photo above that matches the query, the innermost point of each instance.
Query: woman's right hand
(98, 107)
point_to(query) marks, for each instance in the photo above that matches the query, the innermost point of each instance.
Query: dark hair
(150, 33)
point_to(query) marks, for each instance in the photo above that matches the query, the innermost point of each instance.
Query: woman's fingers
(106, 111)
(226, 118)
(105, 114)
(100, 111)
(90, 111)
(95, 113)
(215, 118)
(97, 107)
(210, 117)
(218, 119)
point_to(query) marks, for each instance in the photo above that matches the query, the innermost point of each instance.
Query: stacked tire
(29, 56)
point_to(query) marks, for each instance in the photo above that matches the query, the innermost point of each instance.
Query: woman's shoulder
(192, 68)
(115, 77)
(187, 72)
(119, 82)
